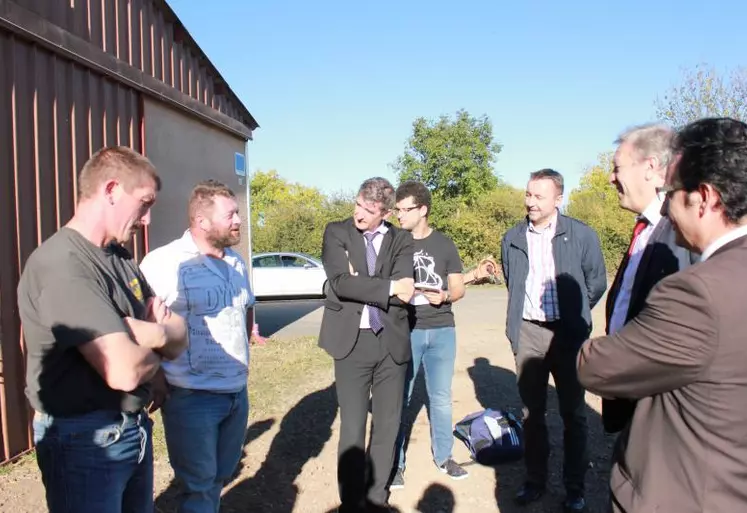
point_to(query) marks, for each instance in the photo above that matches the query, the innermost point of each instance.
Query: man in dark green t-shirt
(95, 336)
(439, 282)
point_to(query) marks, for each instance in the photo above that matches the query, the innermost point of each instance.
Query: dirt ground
(289, 464)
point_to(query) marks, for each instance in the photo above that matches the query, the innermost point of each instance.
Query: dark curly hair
(714, 151)
(420, 194)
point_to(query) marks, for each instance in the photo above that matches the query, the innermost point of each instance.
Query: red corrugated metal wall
(71, 76)
(53, 115)
(142, 33)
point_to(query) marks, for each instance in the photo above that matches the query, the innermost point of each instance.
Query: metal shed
(76, 75)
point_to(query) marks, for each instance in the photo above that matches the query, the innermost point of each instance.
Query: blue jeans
(97, 462)
(435, 348)
(205, 434)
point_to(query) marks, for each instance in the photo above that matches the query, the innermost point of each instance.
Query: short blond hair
(203, 196)
(128, 167)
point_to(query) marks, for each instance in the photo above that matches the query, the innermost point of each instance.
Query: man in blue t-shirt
(439, 282)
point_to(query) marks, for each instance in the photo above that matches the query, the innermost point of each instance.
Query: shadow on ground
(303, 432)
(272, 316)
(495, 387)
(435, 499)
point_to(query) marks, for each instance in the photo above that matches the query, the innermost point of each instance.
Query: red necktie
(639, 227)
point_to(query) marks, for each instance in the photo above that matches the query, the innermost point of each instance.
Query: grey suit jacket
(661, 257)
(347, 294)
(684, 359)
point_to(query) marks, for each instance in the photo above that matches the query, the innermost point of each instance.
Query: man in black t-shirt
(439, 283)
(95, 336)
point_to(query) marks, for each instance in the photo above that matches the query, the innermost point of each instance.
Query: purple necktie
(374, 313)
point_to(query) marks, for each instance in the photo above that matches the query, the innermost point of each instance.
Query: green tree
(454, 158)
(477, 228)
(595, 202)
(291, 217)
(703, 92)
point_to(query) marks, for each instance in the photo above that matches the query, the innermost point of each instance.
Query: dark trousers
(368, 371)
(542, 350)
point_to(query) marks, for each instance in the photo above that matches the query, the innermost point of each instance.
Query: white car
(286, 275)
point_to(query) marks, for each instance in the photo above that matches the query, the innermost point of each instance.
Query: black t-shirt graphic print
(435, 257)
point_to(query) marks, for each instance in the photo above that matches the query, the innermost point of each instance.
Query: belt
(543, 324)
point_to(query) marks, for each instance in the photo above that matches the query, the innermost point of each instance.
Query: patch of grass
(276, 371)
(22, 462)
(281, 367)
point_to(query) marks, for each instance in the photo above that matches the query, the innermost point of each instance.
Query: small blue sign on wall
(239, 164)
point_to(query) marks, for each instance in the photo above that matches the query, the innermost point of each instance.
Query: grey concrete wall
(186, 151)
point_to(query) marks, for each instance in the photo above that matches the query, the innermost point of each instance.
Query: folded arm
(667, 346)
(168, 337)
(92, 325)
(359, 287)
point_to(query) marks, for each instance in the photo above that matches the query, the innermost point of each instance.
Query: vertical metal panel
(12, 425)
(136, 58)
(157, 32)
(44, 106)
(79, 21)
(146, 43)
(176, 60)
(53, 114)
(109, 24)
(124, 47)
(168, 51)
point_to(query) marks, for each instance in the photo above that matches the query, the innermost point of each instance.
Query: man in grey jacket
(555, 274)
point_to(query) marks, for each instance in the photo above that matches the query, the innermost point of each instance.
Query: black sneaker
(452, 469)
(574, 503)
(529, 493)
(398, 480)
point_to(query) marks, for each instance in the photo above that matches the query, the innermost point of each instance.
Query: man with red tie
(640, 166)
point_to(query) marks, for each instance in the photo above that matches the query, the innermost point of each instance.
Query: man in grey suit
(365, 328)
(683, 356)
(640, 167)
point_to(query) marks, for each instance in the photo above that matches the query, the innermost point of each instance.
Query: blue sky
(336, 85)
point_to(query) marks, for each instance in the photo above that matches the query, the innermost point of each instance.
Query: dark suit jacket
(683, 358)
(661, 257)
(347, 294)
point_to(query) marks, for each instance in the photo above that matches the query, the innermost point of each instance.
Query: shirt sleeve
(75, 304)
(665, 347)
(453, 260)
(149, 269)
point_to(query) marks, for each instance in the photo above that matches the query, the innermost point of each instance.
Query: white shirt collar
(382, 229)
(188, 243)
(652, 213)
(723, 241)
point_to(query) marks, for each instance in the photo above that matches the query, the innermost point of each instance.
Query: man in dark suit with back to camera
(365, 328)
(555, 274)
(640, 167)
(683, 358)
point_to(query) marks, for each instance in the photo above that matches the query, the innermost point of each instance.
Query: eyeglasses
(405, 210)
(668, 189)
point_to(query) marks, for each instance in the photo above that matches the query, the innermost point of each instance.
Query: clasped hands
(404, 288)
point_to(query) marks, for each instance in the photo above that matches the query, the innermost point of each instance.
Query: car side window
(294, 261)
(266, 261)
